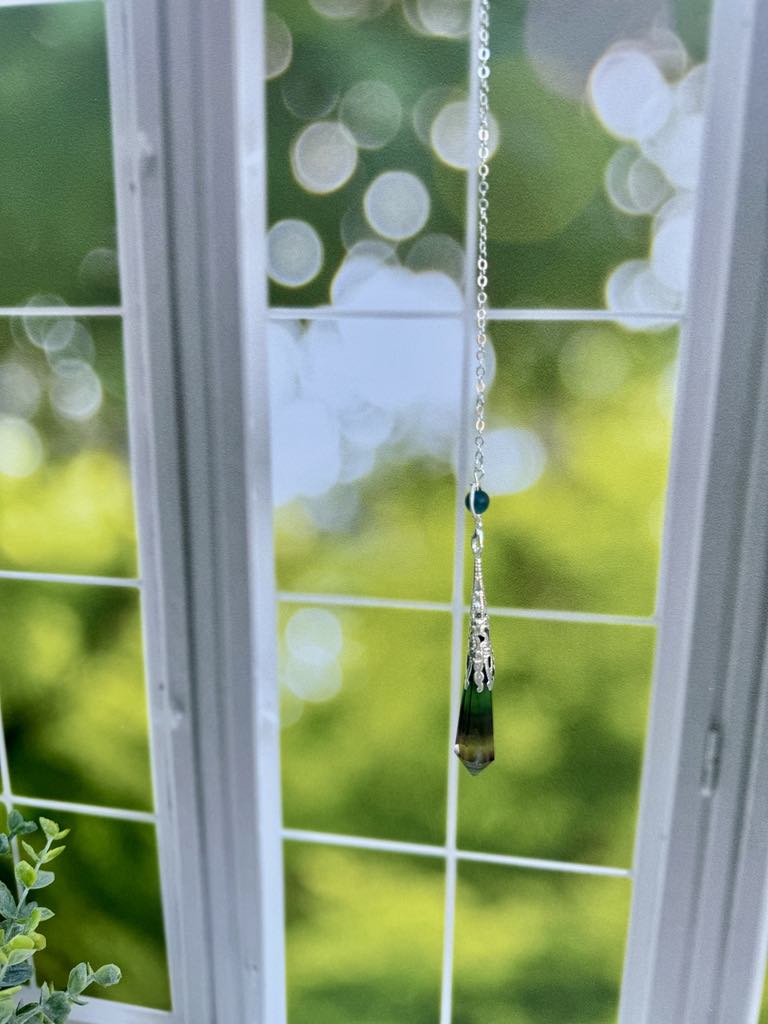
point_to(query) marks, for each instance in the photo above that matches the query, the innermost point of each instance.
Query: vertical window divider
(269, 990)
(172, 70)
(690, 956)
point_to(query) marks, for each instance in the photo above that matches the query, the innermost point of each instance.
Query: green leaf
(19, 956)
(15, 820)
(20, 942)
(63, 834)
(45, 913)
(53, 854)
(5, 843)
(43, 879)
(17, 975)
(7, 902)
(78, 979)
(7, 1012)
(50, 828)
(27, 827)
(109, 974)
(56, 1007)
(30, 851)
(25, 873)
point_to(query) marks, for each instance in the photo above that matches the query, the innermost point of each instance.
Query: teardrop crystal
(474, 736)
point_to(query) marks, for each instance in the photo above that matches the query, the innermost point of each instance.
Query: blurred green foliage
(537, 947)
(585, 536)
(56, 192)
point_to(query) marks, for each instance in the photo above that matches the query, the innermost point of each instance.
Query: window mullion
(176, 171)
(708, 660)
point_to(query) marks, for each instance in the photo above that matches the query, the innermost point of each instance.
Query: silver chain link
(481, 314)
(481, 311)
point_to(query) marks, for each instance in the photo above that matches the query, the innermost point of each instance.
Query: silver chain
(481, 312)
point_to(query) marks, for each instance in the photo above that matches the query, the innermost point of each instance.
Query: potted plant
(20, 919)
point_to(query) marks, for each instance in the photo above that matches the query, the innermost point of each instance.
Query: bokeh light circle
(79, 346)
(515, 460)
(314, 636)
(75, 391)
(309, 88)
(630, 94)
(450, 137)
(428, 106)
(671, 250)
(448, 18)
(676, 148)
(311, 682)
(48, 332)
(306, 448)
(397, 205)
(99, 268)
(20, 390)
(279, 45)
(324, 157)
(372, 112)
(21, 450)
(294, 253)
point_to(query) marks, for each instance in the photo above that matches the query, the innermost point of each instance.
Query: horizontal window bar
(581, 314)
(424, 850)
(34, 3)
(71, 807)
(83, 581)
(598, 618)
(353, 601)
(54, 311)
(520, 315)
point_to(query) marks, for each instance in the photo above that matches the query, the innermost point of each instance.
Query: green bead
(482, 501)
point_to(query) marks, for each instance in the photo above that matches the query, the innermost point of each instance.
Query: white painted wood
(713, 585)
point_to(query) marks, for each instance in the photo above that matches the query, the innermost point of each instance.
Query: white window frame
(189, 143)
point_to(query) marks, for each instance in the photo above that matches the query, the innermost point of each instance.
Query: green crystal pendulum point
(474, 736)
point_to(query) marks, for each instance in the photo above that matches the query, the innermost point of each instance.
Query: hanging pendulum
(474, 736)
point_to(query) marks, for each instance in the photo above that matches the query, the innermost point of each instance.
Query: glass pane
(367, 121)
(579, 425)
(106, 899)
(596, 138)
(75, 651)
(365, 936)
(552, 946)
(364, 425)
(65, 488)
(569, 727)
(600, 112)
(57, 217)
(365, 713)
